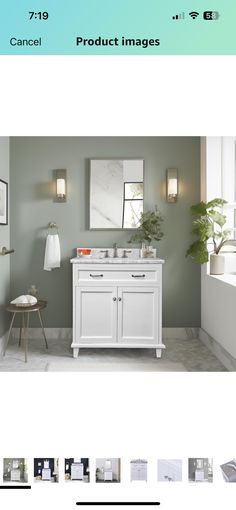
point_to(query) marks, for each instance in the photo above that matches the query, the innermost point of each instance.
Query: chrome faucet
(106, 256)
(125, 253)
(115, 253)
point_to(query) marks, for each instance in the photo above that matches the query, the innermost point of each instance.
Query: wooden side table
(25, 311)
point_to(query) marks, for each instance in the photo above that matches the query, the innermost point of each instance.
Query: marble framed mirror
(116, 193)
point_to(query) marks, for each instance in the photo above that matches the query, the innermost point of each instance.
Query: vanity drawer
(125, 275)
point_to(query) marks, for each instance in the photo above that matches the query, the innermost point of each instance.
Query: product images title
(116, 41)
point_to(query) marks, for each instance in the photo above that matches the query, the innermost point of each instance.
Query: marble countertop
(119, 260)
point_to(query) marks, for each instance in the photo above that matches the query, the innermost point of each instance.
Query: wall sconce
(171, 185)
(61, 186)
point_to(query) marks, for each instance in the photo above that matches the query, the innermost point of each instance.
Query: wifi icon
(194, 14)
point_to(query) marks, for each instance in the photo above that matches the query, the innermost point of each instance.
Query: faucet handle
(115, 248)
(106, 253)
(125, 253)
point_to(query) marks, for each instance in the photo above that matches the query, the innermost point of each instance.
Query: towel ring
(52, 226)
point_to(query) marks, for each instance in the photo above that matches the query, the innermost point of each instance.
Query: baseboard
(66, 333)
(180, 333)
(3, 341)
(226, 359)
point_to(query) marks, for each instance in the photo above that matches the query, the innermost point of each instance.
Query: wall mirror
(116, 193)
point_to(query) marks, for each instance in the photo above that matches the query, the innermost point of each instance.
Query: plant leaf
(199, 209)
(217, 217)
(198, 252)
(216, 202)
(204, 228)
(226, 234)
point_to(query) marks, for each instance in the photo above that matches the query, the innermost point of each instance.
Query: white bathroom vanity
(138, 470)
(117, 302)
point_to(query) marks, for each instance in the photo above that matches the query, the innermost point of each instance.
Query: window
(132, 204)
(228, 181)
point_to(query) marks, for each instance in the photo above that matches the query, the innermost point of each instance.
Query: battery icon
(211, 15)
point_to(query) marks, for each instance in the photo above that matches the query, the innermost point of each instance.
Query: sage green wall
(4, 241)
(32, 161)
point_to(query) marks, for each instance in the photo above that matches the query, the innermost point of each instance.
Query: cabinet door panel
(138, 310)
(96, 314)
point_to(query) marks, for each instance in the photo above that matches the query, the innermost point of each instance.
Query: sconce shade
(61, 186)
(171, 185)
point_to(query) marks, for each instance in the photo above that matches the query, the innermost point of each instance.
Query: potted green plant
(209, 225)
(149, 229)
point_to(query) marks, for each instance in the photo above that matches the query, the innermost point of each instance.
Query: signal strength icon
(194, 14)
(178, 16)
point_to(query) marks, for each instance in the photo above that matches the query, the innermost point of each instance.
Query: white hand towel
(52, 256)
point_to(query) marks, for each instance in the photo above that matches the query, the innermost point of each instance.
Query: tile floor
(192, 355)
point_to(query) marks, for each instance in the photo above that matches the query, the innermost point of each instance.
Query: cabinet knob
(114, 298)
(119, 299)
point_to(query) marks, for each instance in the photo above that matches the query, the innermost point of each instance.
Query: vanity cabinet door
(15, 475)
(96, 315)
(138, 472)
(108, 475)
(138, 315)
(77, 471)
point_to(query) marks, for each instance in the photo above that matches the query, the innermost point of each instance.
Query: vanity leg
(75, 353)
(158, 353)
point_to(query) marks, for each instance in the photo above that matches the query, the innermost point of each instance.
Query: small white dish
(25, 300)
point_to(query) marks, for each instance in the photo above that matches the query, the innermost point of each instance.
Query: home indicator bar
(118, 503)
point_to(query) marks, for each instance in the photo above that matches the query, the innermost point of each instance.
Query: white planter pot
(217, 264)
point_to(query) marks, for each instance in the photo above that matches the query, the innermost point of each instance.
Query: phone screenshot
(117, 254)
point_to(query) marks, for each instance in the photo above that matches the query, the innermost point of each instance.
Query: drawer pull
(96, 275)
(138, 275)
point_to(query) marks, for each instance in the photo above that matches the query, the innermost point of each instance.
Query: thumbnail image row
(109, 470)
